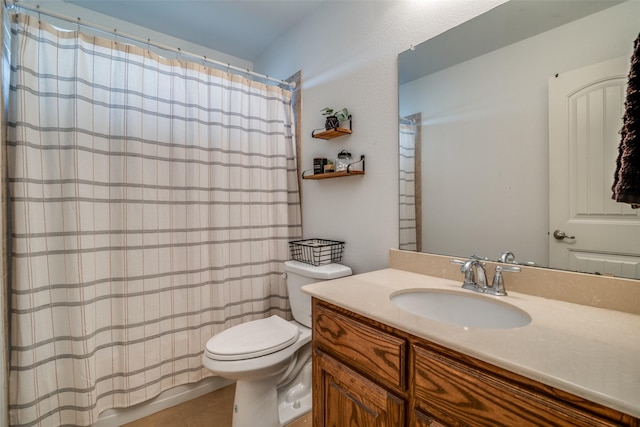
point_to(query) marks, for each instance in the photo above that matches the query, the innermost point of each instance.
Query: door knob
(560, 235)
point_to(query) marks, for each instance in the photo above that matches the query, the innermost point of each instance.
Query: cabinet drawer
(457, 394)
(345, 398)
(371, 351)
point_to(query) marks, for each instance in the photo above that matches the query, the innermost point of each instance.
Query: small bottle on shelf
(329, 167)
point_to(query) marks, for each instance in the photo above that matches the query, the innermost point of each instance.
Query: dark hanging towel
(626, 184)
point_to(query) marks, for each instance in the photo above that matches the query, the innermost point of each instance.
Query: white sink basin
(461, 308)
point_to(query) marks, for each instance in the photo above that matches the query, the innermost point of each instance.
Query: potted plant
(334, 117)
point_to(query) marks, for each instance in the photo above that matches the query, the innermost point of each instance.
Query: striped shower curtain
(409, 186)
(151, 205)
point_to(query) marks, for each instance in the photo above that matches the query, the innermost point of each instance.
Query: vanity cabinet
(367, 373)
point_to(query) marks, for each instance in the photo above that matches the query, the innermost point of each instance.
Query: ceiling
(240, 28)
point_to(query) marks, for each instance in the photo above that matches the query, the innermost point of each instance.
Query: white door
(585, 117)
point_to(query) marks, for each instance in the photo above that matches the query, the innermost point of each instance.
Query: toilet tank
(299, 274)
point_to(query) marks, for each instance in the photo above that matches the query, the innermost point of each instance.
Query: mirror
(481, 183)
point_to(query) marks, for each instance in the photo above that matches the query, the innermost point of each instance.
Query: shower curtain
(152, 201)
(410, 237)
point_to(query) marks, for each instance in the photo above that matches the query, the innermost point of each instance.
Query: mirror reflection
(509, 132)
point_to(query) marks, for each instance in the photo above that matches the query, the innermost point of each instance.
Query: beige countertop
(591, 352)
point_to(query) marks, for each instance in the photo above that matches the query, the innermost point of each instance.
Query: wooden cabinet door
(344, 398)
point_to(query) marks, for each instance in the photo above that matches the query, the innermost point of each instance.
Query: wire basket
(316, 251)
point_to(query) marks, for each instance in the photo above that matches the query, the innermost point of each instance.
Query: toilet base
(294, 400)
(260, 403)
(256, 404)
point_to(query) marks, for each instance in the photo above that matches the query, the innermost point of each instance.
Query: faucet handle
(508, 268)
(497, 287)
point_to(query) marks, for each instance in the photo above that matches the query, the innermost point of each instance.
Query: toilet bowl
(270, 359)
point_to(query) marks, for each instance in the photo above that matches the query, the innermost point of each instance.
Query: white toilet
(270, 359)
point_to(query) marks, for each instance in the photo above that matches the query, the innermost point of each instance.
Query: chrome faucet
(475, 276)
(480, 275)
(507, 257)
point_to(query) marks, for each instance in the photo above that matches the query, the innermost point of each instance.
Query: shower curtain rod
(15, 4)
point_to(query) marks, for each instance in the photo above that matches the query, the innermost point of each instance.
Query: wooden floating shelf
(332, 133)
(332, 175)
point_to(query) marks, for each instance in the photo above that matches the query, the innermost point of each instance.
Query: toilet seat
(252, 339)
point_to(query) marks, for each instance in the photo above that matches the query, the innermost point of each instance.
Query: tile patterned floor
(210, 410)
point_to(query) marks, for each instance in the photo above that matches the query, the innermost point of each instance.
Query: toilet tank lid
(321, 272)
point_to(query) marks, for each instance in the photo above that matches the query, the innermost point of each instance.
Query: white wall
(347, 52)
(495, 108)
